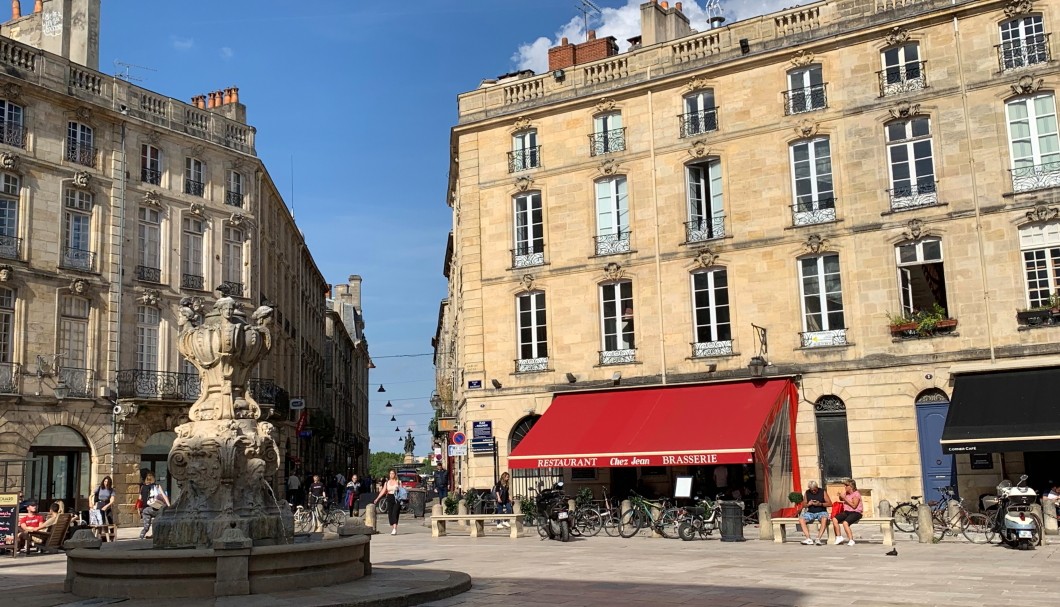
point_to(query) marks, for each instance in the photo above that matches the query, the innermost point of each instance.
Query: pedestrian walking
(294, 489)
(502, 494)
(441, 482)
(353, 489)
(155, 499)
(389, 491)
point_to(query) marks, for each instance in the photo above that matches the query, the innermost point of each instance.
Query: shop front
(734, 439)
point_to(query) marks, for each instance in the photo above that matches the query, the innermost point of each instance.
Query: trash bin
(417, 502)
(732, 521)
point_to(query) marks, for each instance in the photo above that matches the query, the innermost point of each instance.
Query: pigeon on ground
(893, 552)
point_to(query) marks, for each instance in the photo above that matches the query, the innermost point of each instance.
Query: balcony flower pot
(1034, 317)
(904, 327)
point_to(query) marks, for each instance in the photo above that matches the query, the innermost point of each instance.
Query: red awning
(675, 426)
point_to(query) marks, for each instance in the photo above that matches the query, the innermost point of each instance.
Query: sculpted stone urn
(223, 457)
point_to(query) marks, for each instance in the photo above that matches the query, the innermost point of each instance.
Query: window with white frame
(529, 231)
(533, 335)
(710, 313)
(1033, 141)
(73, 331)
(902, 70)
(232, 260)
(608, 135)
(193, 177)
(191, 253)
(1040, 244)
(234, 194)
(149, 244)
(822, 301)
(612, 216)
(1023, 43)
(150, 164)
(10, 243)
(7, 327)
(806, 90)
(701, 115)
(617, 327)
(525, 154)
(77, 230)
(12, 131)
(147, 323)
(812, 185)
(921, 277)
(80, 144)
(912, 166)
(706, 213)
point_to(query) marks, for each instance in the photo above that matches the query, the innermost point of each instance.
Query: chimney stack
(660, 23)
(38, 6)
(16, 9)
(567, 55)
(592, 34)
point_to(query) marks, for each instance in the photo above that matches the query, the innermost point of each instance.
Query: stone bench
(780, 534)
(478, 523)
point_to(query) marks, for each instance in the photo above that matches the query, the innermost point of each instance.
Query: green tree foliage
(382, 461)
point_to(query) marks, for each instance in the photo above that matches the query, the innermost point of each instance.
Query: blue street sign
(482, 429)
(458, 438)
(482, 445)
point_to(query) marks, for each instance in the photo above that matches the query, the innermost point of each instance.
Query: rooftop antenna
(587, 7)
(714, 13)
(123, 71)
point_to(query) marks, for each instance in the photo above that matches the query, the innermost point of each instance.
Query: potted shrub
(1040, 315)
(795, 498)
(902, 323)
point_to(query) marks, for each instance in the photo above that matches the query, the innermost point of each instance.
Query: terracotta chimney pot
(16, 9)
(592, 34)
(38, 6)
(664, 4)
(235, 94)
(211, 100)
(227, 96)
(677, 5)
(563, 42)
(221, 98)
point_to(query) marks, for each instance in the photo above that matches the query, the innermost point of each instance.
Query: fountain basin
(211, 572)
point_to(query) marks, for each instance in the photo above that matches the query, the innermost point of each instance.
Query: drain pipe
(658, 254)
(118, 290)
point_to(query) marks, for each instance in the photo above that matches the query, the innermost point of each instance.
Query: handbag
(139, 505)
(402, 493)
(837, 507)
(157, 504)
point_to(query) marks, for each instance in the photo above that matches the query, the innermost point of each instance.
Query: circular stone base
(149, 573)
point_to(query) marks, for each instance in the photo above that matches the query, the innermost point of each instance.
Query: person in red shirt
(27, 525)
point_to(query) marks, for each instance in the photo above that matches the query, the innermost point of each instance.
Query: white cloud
(624, 23)
(227, 53)
(182, 44)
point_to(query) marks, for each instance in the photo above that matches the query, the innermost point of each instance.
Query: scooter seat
(695, 510)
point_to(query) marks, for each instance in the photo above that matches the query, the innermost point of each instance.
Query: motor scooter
(554, 514)
(1017, 525)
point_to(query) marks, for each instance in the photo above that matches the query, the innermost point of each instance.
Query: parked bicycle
(328, 516)
(974, 526)
(907, 514)
(659, 517)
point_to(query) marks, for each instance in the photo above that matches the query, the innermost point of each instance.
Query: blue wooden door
(937, 468)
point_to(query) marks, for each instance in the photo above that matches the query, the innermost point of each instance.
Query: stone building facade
(118, 203)
(855, 196)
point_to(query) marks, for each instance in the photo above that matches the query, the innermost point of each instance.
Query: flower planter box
(946, 323)
(1035, 317)
(907, 327)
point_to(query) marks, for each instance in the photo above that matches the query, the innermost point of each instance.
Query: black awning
(1004, 411)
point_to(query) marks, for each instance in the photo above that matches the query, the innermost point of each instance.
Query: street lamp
(61, 390)
(757, 366)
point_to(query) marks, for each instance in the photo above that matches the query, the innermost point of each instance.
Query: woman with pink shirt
(851, 514)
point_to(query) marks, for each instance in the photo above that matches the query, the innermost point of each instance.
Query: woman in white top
(389, 491)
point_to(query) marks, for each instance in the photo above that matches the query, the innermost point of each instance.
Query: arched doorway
(155, 457)
(524, 479)
(59, 469)
(937, 468)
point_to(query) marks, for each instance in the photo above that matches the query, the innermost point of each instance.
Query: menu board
(8, 517)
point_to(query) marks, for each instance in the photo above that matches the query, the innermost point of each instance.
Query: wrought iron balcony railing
(13, 134)
(527, 256)
(191, 281)
(821, 339)
(526, 158)
(813, 212)
(919, 194)
(79, 381)
(9, 376)
(697, 123)
(531, 365)
(10, 247)
(902, 78)
(152, 176)
(163, 385)
(148, 274)
(1036, 177)
(618, 357)
(611, 244)
(1025, 52)
(707, 349)
(234, 199)
(702, 229)
(265, 391)
(231, 289)
(194, 188)
(807, 99)
(81, 153)
(78, 259)
(606, 142)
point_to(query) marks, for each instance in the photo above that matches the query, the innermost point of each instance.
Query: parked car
(409, 479)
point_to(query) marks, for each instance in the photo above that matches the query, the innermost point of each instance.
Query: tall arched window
(532, 332)
(147, 323)
(833, 438)
(1034, 142)
(812, 185)
(612, 216)
(710, 313)
(911, 161)
(528, 230)
(618, 344)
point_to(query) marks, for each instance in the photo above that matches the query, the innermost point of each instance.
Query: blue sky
(361, 94)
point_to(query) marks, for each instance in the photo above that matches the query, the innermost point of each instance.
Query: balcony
(10, 247)
(9, 375)
(808, 99)
(823, 339)
(152, 176)
(191, 281)
(163, 385)
(79, 381)
(810, 213)
(606, 142)
(526, 158)
(528, 256)
(194, 188)
(618, 357)
(231, 289)
(914, 195)
(81, 153)
(709, 349)
(900, 79)
(1036, 177)
(697, 123)
(234, 199)
(148, 274)
(78, 259)
(703, 229)
(531, 365)
(612, 244)
(13, 134)
(1025, 52)
(265, 391)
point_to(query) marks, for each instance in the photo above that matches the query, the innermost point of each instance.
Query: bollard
(925, 531)
(1049, 510)
(436, 510)
(1036, 510)
(953, 508)
(623, 510)
(369, 516)
(461, 509)
(517, 507)
(884, 509)
(765, 522)
(656, 514)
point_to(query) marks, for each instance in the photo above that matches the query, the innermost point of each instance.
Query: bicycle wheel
(303, 521)
(687, 531)
(381, 508)
(542, 525)
(667, 523)
(939, 525)
(631, 522)
(1037, 539)
(610, 523)
(905, 518)
(335, 519)
(589, 522)
(977, 529)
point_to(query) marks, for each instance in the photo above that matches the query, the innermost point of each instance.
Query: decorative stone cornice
(1027, 85)
(521, 124)
(815, 243)
(527, 281)
(1043, 213)
(807, 127)
(897, 36)
(904, 109)
(11, 91)
(699, 149)
(697, 83)
(6, 273)
(152, 198)
(197, 209)
(79, 286)
(150, 297)
(523, 184)
(82, 179)
(83, 114)
(239, 220)
(197, 151)
(610, 167)
(605, 105)
(802, 58)
(1018, 7)
(153, 137)
(613, 271)
(914, 230)
(9, 161)
(706, 258)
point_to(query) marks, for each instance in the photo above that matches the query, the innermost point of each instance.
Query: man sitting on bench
(33, 525)
(817, 505)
